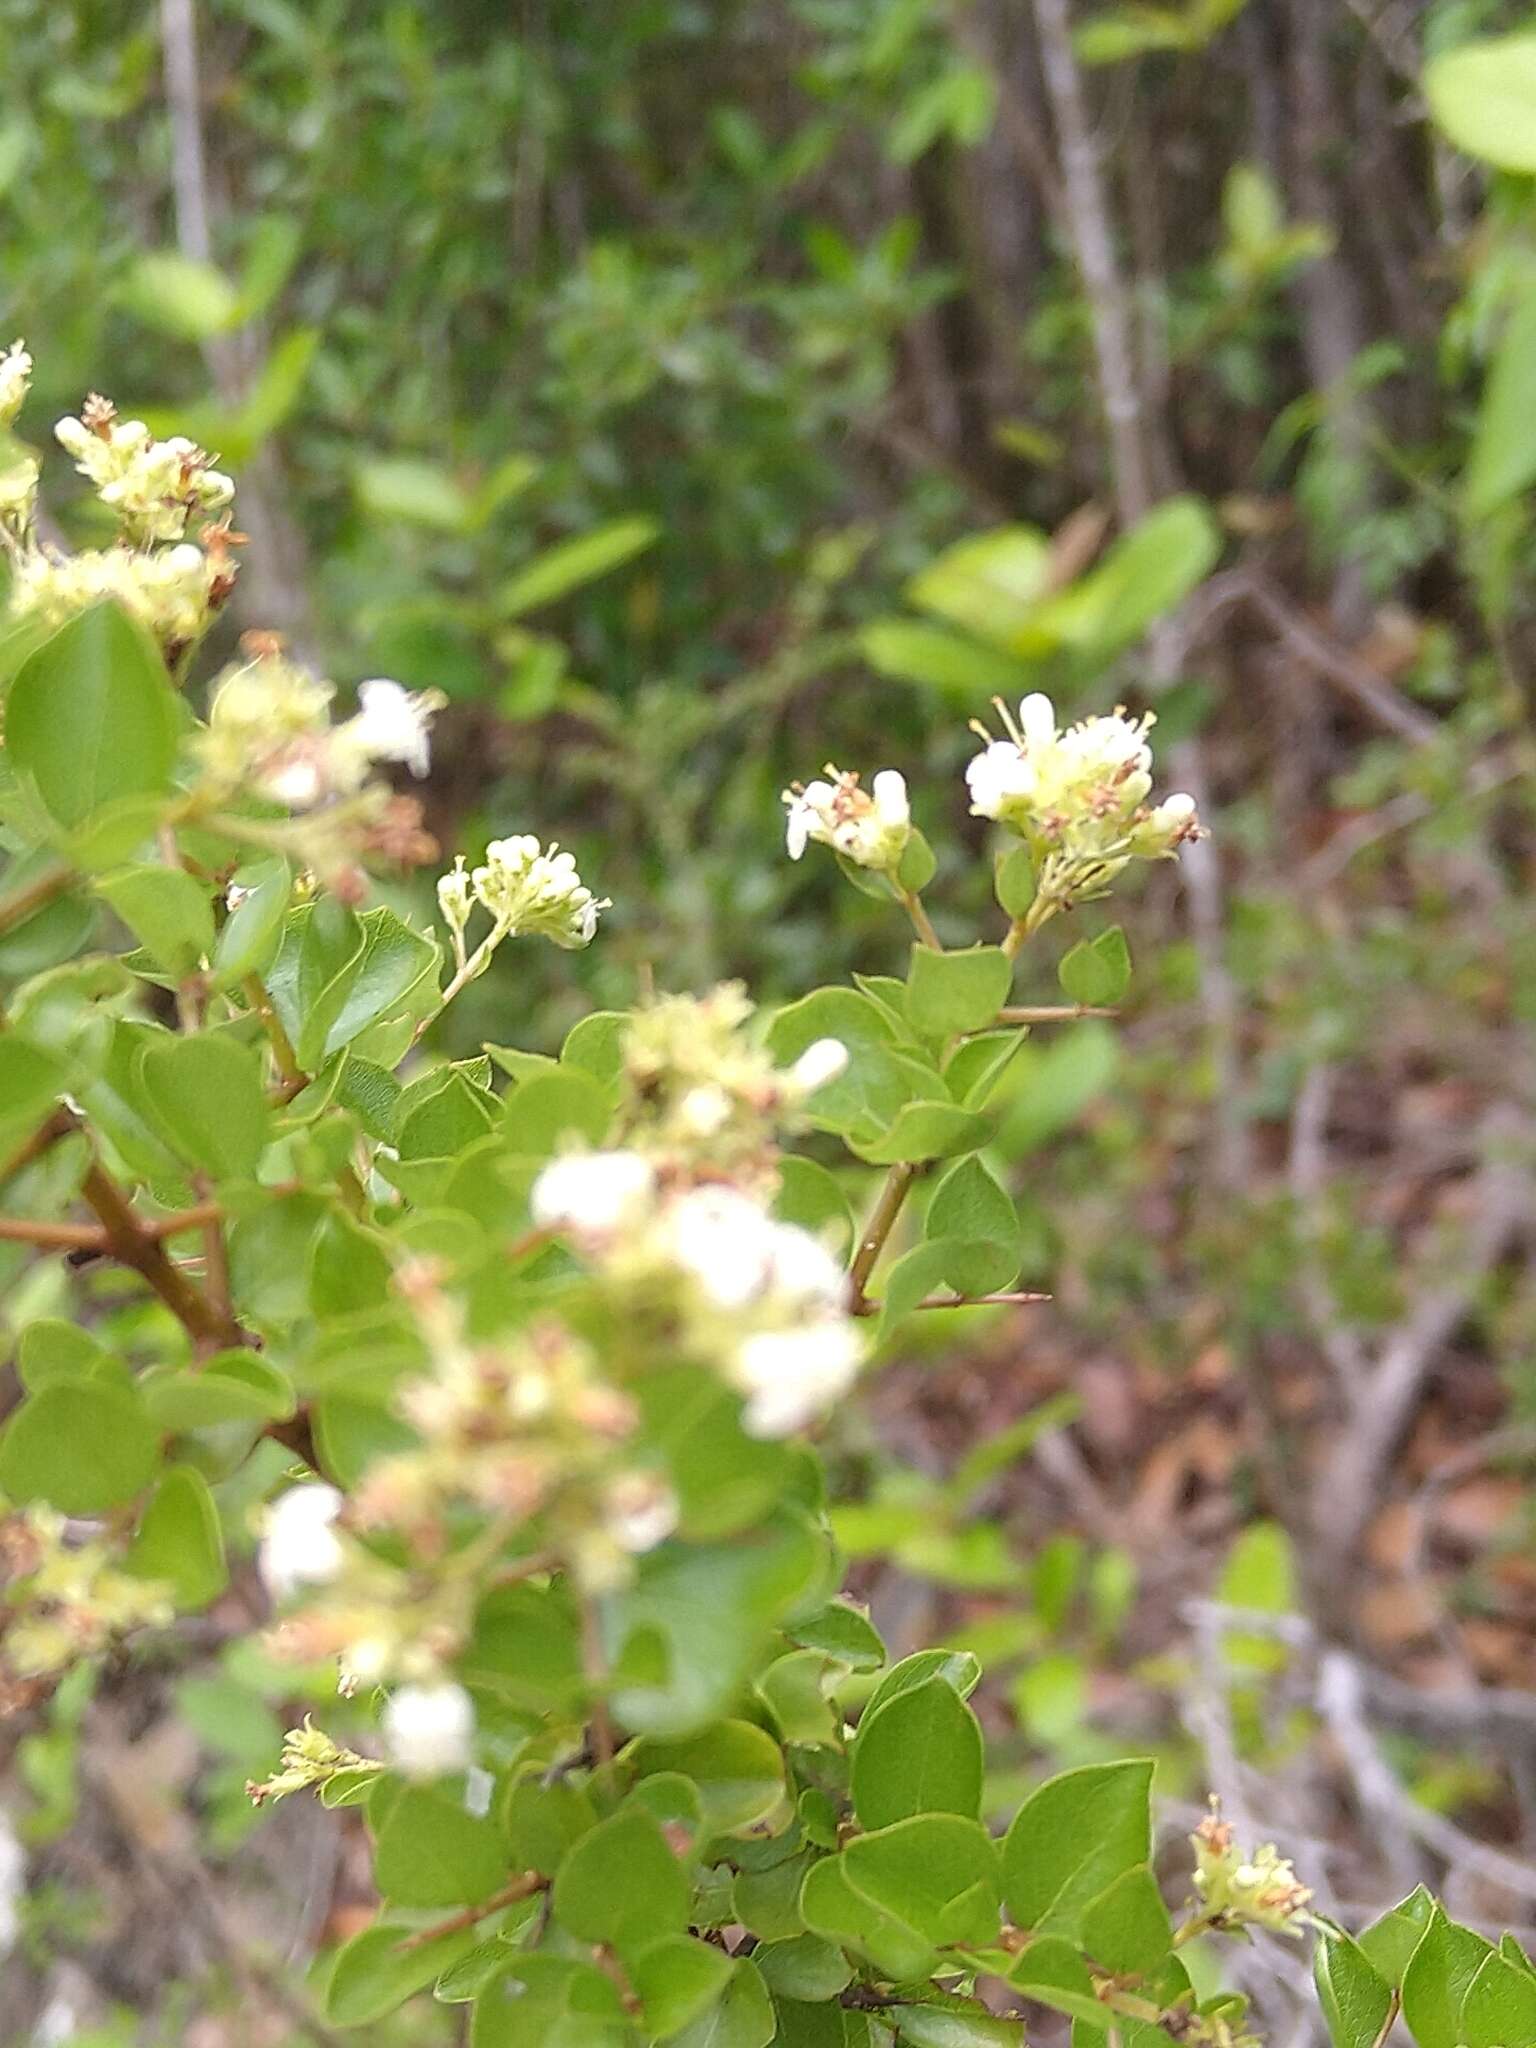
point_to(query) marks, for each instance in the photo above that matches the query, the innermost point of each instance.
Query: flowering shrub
(526, 1355)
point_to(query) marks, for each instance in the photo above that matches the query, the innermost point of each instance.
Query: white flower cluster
(171, 594)
(767, 1301)
(269, 729)
(526, 888)
(869, 827)
(153, 487)
(1079, 795)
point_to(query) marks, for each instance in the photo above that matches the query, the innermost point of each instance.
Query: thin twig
(522, 1887)
(881, 1223)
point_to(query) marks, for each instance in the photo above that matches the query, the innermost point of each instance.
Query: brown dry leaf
(1399, 1611)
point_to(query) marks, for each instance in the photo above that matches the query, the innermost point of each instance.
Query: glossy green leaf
(571, 563)
(742, 2018)
(253, 929)
(948, 993)
(383, 1966)
(678, 1980)
(208, 1097)
(920, 1752)
(1483, 95)
(1097, 972)
(179, 1541)
(80, 1444)
(432, 1852)
(925, 1130)
(737, 1768)
(1072, 1838)
(167, 910)
(1437, 1980)
(91, 716)
(621, 1884)
(1357, 2002)
(937, 1873)
(546, 2001)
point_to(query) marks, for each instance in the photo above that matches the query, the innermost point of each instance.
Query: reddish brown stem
(522, 1887)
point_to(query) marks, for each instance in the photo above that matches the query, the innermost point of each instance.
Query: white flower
(802, 1268)
(705, 1109)
(724, 1241)
(792, 1376)
(15, 379)
(1167, 825)
(639, 1511)
(428, 1729)
(592, 1194)
(820, 1063)
(453, 896)
(869, 827)
(393, 723)
(1000, 778)
(527, 889)
(299, 1545)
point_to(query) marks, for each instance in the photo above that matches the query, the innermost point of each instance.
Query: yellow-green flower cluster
(66, 1597)
(1077, 797)
(153, 488)
(1237, 1889)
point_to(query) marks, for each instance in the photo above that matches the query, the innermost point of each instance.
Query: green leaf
(1437, 1980)
(1356, 2001)
(920, 1752)
(987, 584)
(684, 1636)
(873, 1085)
(420, 493)
(393, 965)
(80, 1444)
(179, 1540)
(794, 1689)
(1502, 461)
(1145, 574)
(167, 911)
(767, 1902)
(925, 1130)
(953, 2026)
(569, 564)
(179, 295)
(91, 716)
(1014, 880)
(935, 1872)
(1483, 94)
(1053, 1973)
(948, 993)
(1389, 1943)
(1500, 2006)
(832, 1908)
(253, 928)
(678, 1979)
(738, 1770)
(545, 2001)
(1097, 971)
(232, 1386)
(543, 1819)
(805, 2025)
(938, 660)
(30, 1085)
(51, 1348)
(957, 1668)
(1072, 1838)
(803, 1967)
(809, 1196)
(622, 1885)
(971, 1209)
(843, 1631)
(207, 1095)
(376, 1971)
(431, 1852)
(918, 864)
(596, 1044)
(1127, 1927)
(542, 1114)
(743, 2018)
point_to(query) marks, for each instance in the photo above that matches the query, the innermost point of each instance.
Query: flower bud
(15, 380)
(428, 1729)
(819, 1064)
(299, 1545)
